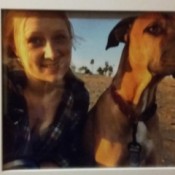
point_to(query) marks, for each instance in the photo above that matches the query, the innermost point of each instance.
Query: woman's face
(43, 46)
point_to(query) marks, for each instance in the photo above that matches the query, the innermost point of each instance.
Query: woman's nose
(50, 52)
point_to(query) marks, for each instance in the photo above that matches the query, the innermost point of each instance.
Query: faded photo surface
(88, 89)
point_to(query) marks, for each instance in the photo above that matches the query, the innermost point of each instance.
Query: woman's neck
(41, 88)
(42, 99)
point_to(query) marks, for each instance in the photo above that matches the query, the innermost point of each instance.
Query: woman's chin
(54, 79)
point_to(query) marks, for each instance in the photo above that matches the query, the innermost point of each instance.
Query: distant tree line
(106, 70)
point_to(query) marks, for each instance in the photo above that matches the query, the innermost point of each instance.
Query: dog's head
(150, 39)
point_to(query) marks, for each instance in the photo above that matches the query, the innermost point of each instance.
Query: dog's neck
(136, 85)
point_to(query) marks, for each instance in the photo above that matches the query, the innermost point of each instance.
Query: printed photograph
(88, 89)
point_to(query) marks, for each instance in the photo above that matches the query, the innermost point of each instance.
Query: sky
(91, 35)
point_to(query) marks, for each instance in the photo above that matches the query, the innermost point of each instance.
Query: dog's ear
(119, 32)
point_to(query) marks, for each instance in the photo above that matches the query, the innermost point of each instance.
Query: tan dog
(125, 112)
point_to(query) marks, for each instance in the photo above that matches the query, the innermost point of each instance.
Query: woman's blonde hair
(10, 23)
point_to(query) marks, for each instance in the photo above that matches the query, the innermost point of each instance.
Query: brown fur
(148, 56)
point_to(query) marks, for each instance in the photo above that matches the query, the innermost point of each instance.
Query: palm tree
(92, 63)
(106, 67)
(100, 71)
(110, 70)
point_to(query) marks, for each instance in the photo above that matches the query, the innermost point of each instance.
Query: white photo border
(85, 5)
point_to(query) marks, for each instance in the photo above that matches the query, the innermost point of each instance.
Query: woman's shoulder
(74, 82)
(13, 78)
(76, 85)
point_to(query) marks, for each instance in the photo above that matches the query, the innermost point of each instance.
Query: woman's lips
(50, 64)
(54, 66)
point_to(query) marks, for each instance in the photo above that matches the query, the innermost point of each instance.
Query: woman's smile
(50, 64)
(51, 67)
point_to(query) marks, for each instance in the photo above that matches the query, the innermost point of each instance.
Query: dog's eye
(155, 30)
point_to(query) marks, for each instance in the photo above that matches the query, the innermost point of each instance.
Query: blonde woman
(45, 105)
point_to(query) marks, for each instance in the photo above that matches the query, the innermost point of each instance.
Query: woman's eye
(61, 39)
(155, 30)
(36, 41)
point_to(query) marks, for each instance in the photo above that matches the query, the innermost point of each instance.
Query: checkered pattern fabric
(61, 144)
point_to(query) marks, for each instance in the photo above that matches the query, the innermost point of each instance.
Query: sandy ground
(166, 109)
